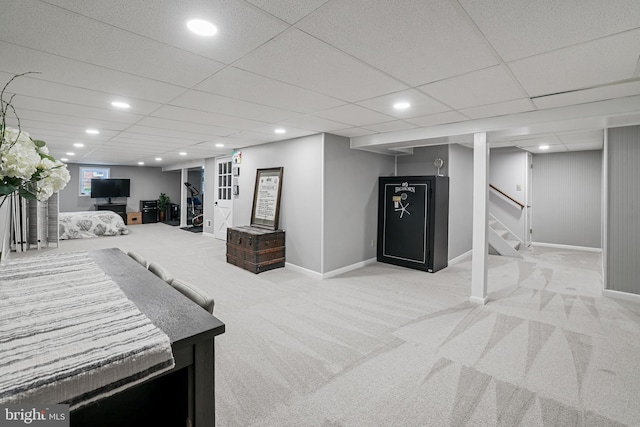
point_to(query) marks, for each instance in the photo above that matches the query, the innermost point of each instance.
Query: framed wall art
(265, 212)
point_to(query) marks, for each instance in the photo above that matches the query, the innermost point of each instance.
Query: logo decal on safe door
(398, 206)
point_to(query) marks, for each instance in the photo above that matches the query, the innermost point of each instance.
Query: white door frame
(223, 198)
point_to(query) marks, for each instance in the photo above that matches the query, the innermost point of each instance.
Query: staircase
(501, 241)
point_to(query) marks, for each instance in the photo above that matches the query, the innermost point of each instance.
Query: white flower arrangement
(25, 164)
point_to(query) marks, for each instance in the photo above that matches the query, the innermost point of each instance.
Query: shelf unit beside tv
(119, 208)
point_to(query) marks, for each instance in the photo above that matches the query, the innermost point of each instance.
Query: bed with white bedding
(87, 224)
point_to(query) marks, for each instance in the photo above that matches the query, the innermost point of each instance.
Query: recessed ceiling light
(141, 163)
(281, 131)
(158, 159)
(78, 145)
(92, 131)
(182, 153)
(401, 105)
(120, 104)
(219, 145)
(544, 147)
(71, 154)
(64, 159)
(202, 27)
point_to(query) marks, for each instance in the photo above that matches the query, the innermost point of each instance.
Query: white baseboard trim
(321, 276)
(303, 270)
(577, 248)
(210, 235)
(348, 268)
(621, 295)
(478, 300)
(460, 257)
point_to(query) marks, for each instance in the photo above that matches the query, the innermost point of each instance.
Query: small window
(87, 174)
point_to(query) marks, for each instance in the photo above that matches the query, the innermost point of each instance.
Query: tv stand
(119, 208)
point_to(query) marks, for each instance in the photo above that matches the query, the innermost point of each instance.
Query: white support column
(184, 177)
(480, 243)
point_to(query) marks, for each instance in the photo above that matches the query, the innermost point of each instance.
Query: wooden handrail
(493, 187)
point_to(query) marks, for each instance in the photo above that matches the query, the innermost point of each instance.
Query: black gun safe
(413, 221)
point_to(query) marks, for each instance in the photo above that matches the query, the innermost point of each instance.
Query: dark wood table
(182, 396)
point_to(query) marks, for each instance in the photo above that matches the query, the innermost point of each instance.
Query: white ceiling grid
(309, 66)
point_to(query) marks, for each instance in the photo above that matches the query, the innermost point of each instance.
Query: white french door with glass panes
(222, 211)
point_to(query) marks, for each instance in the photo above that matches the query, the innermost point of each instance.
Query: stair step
(515, 244)
(503, 233)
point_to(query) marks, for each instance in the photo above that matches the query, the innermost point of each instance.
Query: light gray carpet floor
(388, 346)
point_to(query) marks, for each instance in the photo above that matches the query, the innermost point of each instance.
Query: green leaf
(46, 156)
(7, 189)
(38, 143)
(26, 194)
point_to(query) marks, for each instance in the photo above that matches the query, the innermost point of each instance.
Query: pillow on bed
(81, 225)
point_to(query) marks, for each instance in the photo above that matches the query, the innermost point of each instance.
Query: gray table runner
(68, 334)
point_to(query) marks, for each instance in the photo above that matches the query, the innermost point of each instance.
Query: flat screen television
(107, 188)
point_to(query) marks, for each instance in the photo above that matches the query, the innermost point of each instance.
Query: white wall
(4, 228)
(460, 200)
(508, 170)
(350, 202)
(301, 201)
(623, 210)
(421, 161)
(146, 184)
(567, 198)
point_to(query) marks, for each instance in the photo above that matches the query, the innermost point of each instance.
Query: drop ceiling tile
(205, 118)
(588, 95)
(498, 144)
(520, 28)
(558, 148)
(31, 87)
(241, 27)
(536, 141)
(437, 119)
(81, 112)
(187, 136)
(413, 40)
(353, 132)
(136, 134)
(598, 62)
(113, 147)
(313, 123)
(586, 136)
(37, 129)
(390, 126)
(80, 124)
(241, 84)
(499, 109)
(290, 11)
(353, 115)
(228, 145)
(584, 146)
(255, 137)
(185, 126)
(291, 132)
(301, 60)
(48, 29)
(232, 107)
(421, 104)
(83, 75)
(488, 86)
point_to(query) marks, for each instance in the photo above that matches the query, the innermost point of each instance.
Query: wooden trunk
(255, 249)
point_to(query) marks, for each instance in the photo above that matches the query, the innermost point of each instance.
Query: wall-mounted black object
(108, 188)
(413, 221)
